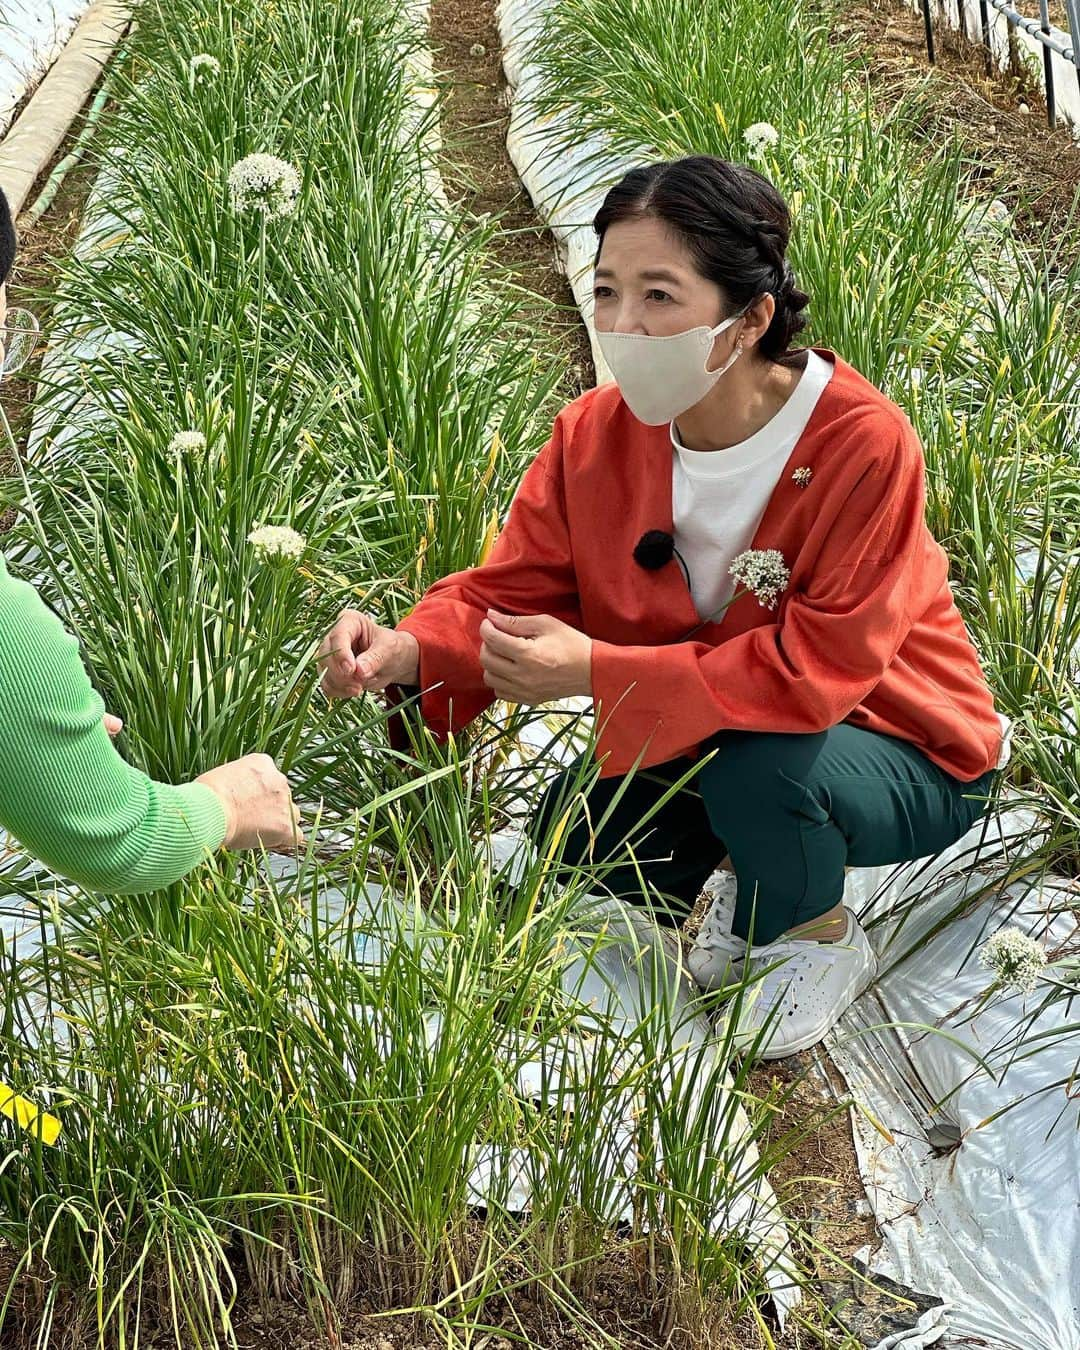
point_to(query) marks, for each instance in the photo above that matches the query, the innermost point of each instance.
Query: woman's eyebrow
(649, 274)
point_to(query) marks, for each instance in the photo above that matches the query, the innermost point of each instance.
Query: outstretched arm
(529, 571)
(65, 793)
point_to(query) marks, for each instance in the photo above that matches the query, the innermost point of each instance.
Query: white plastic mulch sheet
(991, 1224)
(32, 36)
(984, 1213)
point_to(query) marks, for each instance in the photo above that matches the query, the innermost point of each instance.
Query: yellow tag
(26, 1115)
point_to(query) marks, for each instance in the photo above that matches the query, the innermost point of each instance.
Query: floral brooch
(802, 476)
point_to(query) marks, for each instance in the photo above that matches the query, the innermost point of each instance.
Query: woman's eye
(659, 295)
(601, 292)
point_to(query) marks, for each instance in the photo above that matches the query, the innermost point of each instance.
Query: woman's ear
(757, 319)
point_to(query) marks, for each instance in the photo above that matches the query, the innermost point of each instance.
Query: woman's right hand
(259, 808)
(360, 655)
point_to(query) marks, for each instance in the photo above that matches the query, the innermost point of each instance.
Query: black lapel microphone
(655, 549)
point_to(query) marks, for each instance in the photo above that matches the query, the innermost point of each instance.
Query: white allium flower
(355, 27)
(187, 443)
(759, 136)
(277, 541)
(478, 49)
(763, 572)
(1014, 958)
(265, 184)
(203, 67)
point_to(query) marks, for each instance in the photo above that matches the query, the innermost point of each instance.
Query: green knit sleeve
(65, 793)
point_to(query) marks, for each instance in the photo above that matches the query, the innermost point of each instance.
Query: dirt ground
(40, 246)
(1016, 156)
(480, 176)
(1058, 16)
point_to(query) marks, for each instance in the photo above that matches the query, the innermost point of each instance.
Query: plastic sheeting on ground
(992, 1223)
(983, 1212)
(32, 36)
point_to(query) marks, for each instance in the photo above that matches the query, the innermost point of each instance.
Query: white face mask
(660, 377)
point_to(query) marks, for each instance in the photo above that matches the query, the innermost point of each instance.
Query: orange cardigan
(866, 632)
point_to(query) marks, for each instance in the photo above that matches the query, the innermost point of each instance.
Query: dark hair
(7, 239)
(735, 225)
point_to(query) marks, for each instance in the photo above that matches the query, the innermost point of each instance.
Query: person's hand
(258, 803)
(534, 658)
(113, 725)
(359, 655)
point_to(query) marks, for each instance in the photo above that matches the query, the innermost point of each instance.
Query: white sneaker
(811, 986)
(716, 957)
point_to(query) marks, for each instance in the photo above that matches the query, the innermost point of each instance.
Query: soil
(41, 245)
(622, 1318)
(1015, 154)
(480, 176)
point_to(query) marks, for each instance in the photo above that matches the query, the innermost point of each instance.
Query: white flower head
(355, 27)
(1015, 959)
(264, 184)
(187, 443)
(274, 542)
(478, 49)
(759, 137)
(763, 572)
(203, 68)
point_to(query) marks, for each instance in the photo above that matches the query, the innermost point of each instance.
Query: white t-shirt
(720, 496)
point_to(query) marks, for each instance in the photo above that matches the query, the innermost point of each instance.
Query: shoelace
(713, 927)
(798, 958)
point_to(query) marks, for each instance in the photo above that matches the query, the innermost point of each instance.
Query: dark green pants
(791, 810)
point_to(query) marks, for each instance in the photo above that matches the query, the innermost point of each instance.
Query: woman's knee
(754, 769)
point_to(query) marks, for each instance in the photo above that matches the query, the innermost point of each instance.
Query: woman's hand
(361, 655)
(534, 658)
(258, 803)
